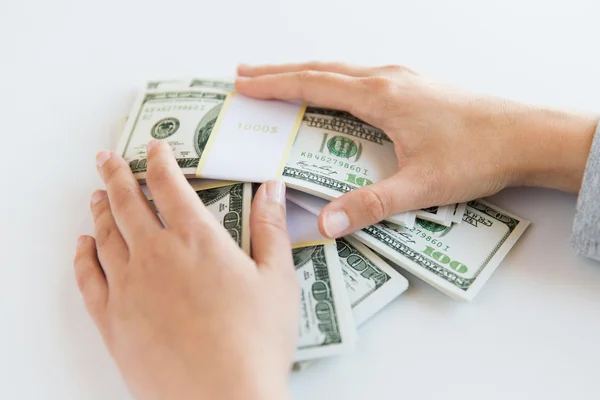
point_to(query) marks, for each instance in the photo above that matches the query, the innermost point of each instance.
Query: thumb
(268, 227)
(369, 205)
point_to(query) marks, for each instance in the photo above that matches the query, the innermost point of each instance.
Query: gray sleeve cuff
(586, 227)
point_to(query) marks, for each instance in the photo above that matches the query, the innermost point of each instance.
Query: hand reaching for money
(452, 146)
(179, 307)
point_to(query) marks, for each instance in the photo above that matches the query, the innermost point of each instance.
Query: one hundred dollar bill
(326, 324)
(229, 204)
(456, 260)
(371, 283)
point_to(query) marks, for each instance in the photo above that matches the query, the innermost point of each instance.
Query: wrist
(246, 384)
(552, 148)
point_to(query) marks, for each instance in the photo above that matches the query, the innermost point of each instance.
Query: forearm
(555, 147)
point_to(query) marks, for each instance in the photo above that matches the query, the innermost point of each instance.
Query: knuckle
(158, 174)
(123, 194)
(82, 274)
(380, 84)
(378, 97)
(189, 235)
(289, 275)
(315, 65)
(154, 248)
(93, 299)
(79, 258)
(272, 221)
(325, 66)
(377, 205)
(304, 79)
(306, 76)
(100, 208)
(104, 235)
(393, 68)
(112, 170)
(93, 303)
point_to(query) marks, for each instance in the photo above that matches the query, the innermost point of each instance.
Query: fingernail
(80, 241)
(102, 157)
(335, 222)
(151, 144)
(97, 196)
(276, 191)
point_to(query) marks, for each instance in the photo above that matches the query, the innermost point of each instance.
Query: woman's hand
(183, 311)
(452, 146)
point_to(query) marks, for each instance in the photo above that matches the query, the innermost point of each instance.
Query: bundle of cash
(328, 152)
(225, 143)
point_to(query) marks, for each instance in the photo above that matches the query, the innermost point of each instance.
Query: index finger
(131, 210)
(326, 89)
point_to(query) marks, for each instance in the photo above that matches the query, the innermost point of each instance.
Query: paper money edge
(205, 184)
(460, 212)
(320, 242)
(246, 209)
(443, 217)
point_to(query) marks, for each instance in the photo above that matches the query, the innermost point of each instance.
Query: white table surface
(69, 72)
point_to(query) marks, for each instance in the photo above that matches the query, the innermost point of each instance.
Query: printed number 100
(257, 128)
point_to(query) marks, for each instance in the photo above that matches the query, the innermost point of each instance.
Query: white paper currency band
(251, 140)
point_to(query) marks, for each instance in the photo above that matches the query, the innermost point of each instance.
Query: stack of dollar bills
(454, 248)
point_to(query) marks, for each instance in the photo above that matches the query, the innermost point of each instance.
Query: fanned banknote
(371, 283)
(456, 260)
(326, 324)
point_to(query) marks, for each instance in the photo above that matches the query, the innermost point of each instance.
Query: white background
(70, 71)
